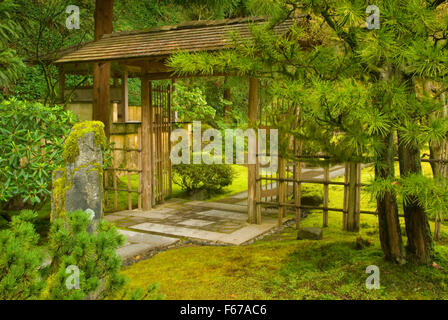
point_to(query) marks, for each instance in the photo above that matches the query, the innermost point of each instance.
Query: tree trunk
(389, 223)
(420, 247)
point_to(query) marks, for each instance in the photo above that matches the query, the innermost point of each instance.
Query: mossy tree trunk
(389, 223)
(420, 247)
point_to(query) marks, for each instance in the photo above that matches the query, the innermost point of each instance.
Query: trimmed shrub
(195, 177)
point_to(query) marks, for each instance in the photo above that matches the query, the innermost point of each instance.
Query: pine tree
(356, 88)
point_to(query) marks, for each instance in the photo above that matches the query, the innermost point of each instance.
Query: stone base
(309, 234)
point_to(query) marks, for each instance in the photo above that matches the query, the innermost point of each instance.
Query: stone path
(168, 225)
(221, 222)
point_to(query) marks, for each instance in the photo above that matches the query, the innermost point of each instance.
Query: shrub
(20, 259)
(23, 274)
(195, 177)
(31, 147)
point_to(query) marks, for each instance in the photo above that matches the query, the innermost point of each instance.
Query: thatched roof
(160, 42)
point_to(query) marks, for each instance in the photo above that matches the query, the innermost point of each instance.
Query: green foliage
(209, 177)
(20, 259)
(31, 147)
(191, 105)
(93, 253)
(24, 275)
(11, 65)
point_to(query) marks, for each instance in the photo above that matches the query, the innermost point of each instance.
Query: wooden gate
(161, 106)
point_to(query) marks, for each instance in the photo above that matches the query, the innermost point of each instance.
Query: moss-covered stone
(71, 150)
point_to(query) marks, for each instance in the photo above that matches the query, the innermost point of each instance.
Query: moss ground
(280, 267)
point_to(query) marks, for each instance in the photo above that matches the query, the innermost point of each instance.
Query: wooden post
(61, 84)
(101, 71)
(123, 110)
(326, 181)
(345, 206)
(351, 202)
(298, 184)
(358, 197)
(252, 168)
(281, 190)
(146, 154)
(227, 107)
(139, 133)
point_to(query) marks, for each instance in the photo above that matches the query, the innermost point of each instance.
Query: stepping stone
(179, 231)
(219, 206)
(113, 217)
(196, 223)
(224, 214)
(154, 240)
(152, 214)
(133, 250)
(309, 234)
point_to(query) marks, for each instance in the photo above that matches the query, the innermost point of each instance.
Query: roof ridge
(189, 25)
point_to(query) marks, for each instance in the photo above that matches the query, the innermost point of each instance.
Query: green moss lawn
(280, 267)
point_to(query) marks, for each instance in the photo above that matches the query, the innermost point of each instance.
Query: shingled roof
(163, 41)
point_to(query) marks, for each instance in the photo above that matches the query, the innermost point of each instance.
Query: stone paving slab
(218, 206)
(237, 237)
(132, 250)
(196, 223)
(224, 214)
(155, 240)
(137, 243)
(113, 217)
(152, 214)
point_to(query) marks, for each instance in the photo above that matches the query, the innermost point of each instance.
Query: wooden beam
(252, 168)
(147, 184)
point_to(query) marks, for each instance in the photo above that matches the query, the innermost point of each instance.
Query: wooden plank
(252, 168)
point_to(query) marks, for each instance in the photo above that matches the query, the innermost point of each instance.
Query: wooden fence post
(326, 180)
(281, 190)
(345, 205)
(252, 168)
